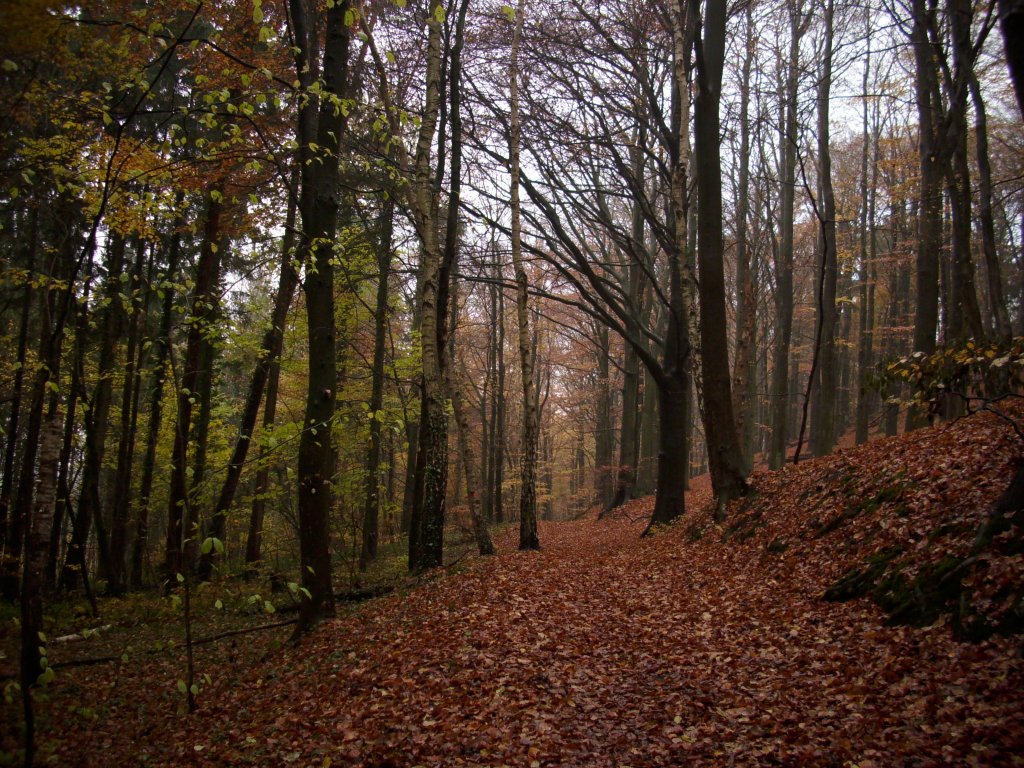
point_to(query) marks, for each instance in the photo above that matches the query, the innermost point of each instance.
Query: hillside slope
(700, 645)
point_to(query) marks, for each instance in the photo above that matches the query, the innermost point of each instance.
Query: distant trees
(665, 224)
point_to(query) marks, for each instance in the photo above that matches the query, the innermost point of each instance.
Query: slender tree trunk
(121, 500)
(996, 297)
(180, 514)
(90, 509)
(10, 547)
(746, 304)
(162, 345)
(824, 393)
(470, 467)
(647, 463)
(47, 431)
(528, 478)
(499, 418)
(371, 513)
(784, 267)
(866, 316)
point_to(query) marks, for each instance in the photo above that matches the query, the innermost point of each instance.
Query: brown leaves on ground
(608, 650)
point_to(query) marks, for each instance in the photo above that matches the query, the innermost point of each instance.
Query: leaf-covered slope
(608, 650)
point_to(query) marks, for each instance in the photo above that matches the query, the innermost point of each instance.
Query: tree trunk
(1011, 17)
(180, 513)
(319, 210)
(528, 471)
(996, 297)
(746, 301)
(929, 227)
(866, 317)
(784, 267)
(121, 501)
(162, 344)
(90, 509)
(823, 421)
(724, 457)
(10, 546)
(371, 513)
(673, 454)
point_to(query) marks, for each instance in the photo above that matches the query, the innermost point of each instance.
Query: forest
(358, 313)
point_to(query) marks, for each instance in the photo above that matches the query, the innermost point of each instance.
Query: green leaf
(509, 11)
(269, 607)
(257, 11)
(219, 605)
(182, 687)
(194, 689)
(180, 577)
(439, 14)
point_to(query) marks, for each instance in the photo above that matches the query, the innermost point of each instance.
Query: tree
(321, 126)
(724, 456)
(528, 477)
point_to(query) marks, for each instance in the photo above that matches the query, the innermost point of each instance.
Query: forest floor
(699, 645)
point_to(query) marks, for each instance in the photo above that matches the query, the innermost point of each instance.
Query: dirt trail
(604, 650)
(607, 650)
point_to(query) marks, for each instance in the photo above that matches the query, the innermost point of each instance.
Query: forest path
(608, 650)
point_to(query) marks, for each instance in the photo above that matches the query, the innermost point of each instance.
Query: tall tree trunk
(43, 476)
(10, 546)
(471, 468)
(90, 509)
(746, 303)
(427, 541)
(500, 413)
(371, 512)
(868, 189)
(180, 506)
(929, 227)
(996, 297)
(528, 478)
(965, 314)
(724, 457)
(788, 138)
(319, 163)
(162, 349)
(823, 403)
(121, 501)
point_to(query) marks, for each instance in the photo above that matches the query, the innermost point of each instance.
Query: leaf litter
(701, 644)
